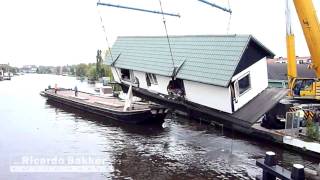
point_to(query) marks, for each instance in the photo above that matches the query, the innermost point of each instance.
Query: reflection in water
(177, 149)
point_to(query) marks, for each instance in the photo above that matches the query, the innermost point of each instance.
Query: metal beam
(137, 9)
(216, 6)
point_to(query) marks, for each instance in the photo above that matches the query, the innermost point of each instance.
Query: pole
(137, 9)
(216, 6)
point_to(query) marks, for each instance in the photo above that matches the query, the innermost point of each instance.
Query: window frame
(250, 84)
(153, 79)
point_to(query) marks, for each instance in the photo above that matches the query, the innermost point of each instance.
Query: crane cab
(306, 88)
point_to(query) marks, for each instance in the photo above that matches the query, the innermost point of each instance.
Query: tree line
(93, 71)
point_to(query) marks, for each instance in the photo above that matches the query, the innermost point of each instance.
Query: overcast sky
(59, 32)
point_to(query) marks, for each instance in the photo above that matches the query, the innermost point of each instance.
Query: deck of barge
(108, 106)
(96, 100)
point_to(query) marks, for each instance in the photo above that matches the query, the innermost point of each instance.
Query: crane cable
(105, 33)
(165, 27)
(229, 21)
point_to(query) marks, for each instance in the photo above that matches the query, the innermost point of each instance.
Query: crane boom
(292, 64)
(311, 29)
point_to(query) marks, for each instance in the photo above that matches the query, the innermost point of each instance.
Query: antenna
(165, 27)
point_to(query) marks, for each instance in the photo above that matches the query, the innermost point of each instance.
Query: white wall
(142, 79)
(259, 82)
(161, 87)
(115, 74)
(215, 97)
(163, 82)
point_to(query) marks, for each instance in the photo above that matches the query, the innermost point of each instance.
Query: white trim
(239, 79)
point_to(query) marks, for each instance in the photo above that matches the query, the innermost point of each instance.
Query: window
(151, 79)
(244, 84)
(176, 88)
(125, 74)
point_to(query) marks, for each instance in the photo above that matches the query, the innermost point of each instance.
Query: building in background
(300, 60)
(29, 69)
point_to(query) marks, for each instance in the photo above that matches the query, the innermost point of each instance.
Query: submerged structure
(214, 75)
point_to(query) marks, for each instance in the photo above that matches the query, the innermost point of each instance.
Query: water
(178, 149)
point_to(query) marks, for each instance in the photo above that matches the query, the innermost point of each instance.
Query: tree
(99, 64)
(92, 73)
(81, 70)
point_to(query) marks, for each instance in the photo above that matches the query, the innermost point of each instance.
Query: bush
(312, 130)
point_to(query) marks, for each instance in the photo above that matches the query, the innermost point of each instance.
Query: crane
(301, 87)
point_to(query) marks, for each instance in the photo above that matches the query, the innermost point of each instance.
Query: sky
(61, 32)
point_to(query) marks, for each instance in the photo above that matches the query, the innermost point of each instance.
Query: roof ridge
(190, 35)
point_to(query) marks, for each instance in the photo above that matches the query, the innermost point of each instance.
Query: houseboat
(216, 78)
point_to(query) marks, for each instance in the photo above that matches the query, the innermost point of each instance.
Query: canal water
(32, 128)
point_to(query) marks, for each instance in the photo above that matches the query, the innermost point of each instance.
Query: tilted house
(220, 72)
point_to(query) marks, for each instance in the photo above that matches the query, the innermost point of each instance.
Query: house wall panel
(161, 87)
(215, 97)
(259, 81)
(115, 74)
(142, 79)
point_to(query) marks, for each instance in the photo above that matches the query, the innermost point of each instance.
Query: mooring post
(269, 160)
(297, 172)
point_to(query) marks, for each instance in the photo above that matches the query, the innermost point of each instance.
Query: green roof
(208, 59)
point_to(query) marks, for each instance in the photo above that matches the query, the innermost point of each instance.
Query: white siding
(115, 74)
(259, 82)
(161, 87)
(215, 97)
(163, 82)
(142, 79)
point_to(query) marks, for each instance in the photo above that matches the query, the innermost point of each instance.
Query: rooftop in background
(278, 71)
(300, 60)
(211, 59)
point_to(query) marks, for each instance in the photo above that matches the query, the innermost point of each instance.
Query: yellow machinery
(304, 88)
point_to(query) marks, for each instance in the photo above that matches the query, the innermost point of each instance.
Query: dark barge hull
(133, 117)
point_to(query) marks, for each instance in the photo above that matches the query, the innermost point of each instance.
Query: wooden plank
(109, 104)
(261, 104)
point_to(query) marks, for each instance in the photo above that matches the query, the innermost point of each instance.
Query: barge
(108, 106)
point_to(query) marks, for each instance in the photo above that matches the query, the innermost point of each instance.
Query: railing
(272, 171)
